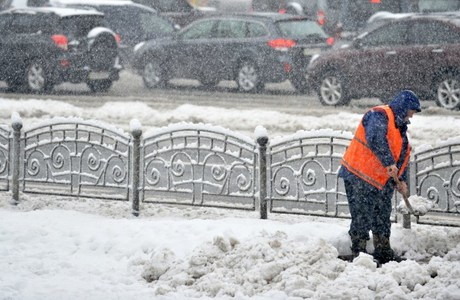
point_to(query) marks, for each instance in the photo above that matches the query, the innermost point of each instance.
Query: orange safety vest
(361, 161)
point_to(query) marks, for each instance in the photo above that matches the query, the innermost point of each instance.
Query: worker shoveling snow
(420, 206)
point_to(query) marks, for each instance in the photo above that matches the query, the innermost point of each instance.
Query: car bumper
(66, 71)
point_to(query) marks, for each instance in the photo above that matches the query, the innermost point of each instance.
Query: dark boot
(357, 245)
(383, 252)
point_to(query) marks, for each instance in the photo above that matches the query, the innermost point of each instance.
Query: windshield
(300, 29)
(81, 25)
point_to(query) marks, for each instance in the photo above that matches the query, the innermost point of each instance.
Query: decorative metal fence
(303, 174)
(5, 145)
(437, 178)
(203, 165)
(76, 158)
(199, 165)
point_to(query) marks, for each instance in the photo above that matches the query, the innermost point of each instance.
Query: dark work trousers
(370, 208)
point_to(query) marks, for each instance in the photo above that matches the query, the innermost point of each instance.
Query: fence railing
(204, 165)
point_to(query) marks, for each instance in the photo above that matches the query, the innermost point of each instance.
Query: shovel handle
(405, 197)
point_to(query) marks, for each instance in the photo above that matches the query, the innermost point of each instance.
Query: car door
(430, 43)
(192, 52)
(230, 43)
(373, 68)
(5, 50)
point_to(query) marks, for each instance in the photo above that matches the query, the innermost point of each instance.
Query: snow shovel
(405, 198)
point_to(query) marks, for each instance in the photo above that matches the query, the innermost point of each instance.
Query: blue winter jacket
(376, 125)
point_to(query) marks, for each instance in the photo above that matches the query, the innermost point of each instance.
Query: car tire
(248, 77)
(447, 91)
(37, 77)
(153, 74)
(300, 83)
(99, 86)
(332, 90)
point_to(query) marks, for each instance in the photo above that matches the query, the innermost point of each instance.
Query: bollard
(16, 124)
(407, 217)
(136, 131)
(262, 141)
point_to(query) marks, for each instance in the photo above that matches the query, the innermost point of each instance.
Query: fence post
(406, 217)
(136, 132)
(262, 141)
(16, 124)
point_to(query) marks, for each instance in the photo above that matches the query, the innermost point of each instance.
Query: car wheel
(99, 86)
(448, 91)
(332, 90)
(248, 77)
(300, 83)
(37, 78)
(153, 75)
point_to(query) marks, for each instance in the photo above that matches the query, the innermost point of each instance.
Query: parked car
(42, 47)
(326, 12)
(250, 48)
(181, 12)
(420, 52)
(133, 22)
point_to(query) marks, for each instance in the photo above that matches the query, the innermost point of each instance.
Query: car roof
(261, 16)
(100, 3)
(453, 17)
(59, 11)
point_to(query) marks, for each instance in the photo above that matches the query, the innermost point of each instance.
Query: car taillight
(282, 11)
(330, 41)
(321, 17)
(118, 38)
(60, 40)
(281, 44)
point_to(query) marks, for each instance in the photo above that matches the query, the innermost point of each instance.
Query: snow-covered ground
(55, 248)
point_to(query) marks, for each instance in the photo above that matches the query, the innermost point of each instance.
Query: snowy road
(280, 97)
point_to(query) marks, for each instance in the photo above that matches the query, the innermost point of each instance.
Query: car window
(256, 30)
(388, 35)
(426, 33)
(80, 26)
(24, 24)
(199, 30)
(155, 26)
(231, 29)
(300, 29)
(438, 5)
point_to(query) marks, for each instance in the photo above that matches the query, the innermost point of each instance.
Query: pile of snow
(420, 205)
(54, 248)
(430, 126)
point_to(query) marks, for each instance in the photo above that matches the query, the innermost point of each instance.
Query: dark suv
(42, 47)
(251, 49)
(133, 22)
(419, 52)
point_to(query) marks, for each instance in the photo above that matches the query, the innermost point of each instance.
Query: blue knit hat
(410, 100)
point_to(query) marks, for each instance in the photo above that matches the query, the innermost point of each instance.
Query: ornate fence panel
(437, 178)
(76, 158)
(303, 174)
(5, 146)
(199, 165)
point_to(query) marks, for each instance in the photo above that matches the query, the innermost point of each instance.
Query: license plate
(311, 51)
(99, 75)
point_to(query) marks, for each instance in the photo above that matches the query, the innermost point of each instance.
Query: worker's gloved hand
(401, 187)
(392, 171)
